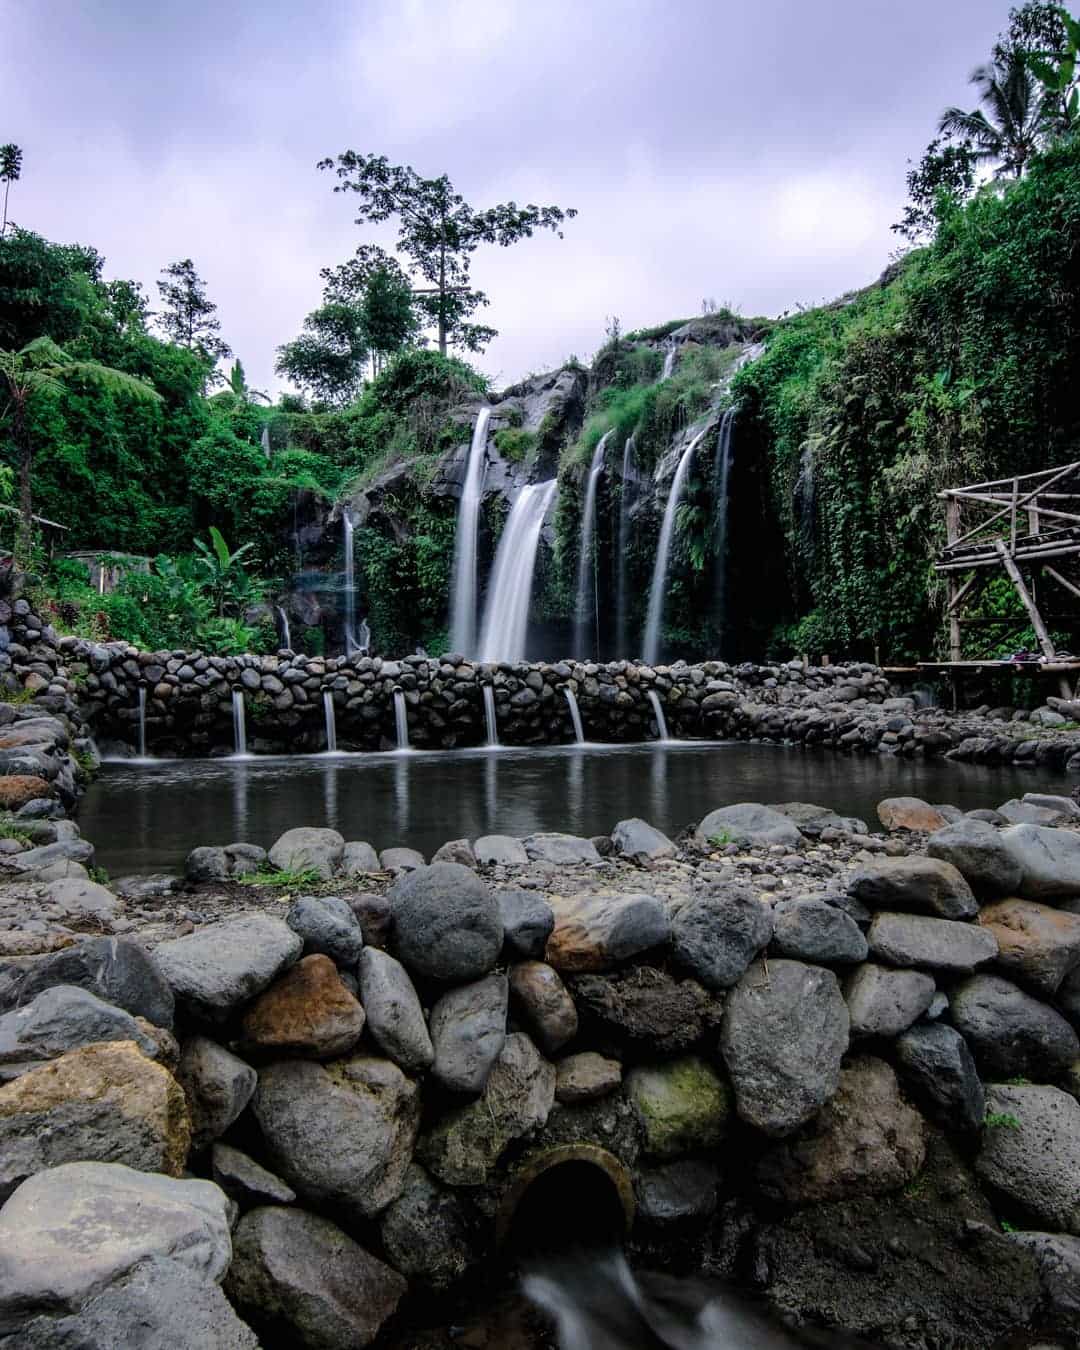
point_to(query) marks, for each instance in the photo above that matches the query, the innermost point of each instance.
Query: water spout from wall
(330, 719)
(575, 714)
(463, 592)
(658, 713)
(658, 589)
(401, 720)
(142, 721)
(587, 587)
(239, 723)
(506, 613)
(489, 715)
(351, 644)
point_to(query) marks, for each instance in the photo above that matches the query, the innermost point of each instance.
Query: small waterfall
(284, 635)
(401, 720)
(331, 721)
(489, 715)
(585, 558)
(142, 721)
(351, 644)
(670, 358)
(575, 714)
(238, 723)
(658, 713)
(804, 496)
(657, 590)
(506, 613)
(264, 440)
(463, 593)
(626, 501)
(363, 638)
(721, 480)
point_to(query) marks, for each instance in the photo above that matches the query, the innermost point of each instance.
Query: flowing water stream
(658, 589)
(506, 613)
(463, 590)
(587, 605)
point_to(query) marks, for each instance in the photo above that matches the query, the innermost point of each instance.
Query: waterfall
(663, 550)
(622, 644)
(331, 721)
(506, 613)
(463, 593)
(658, 713)
(401, 720)
(585, 558)
(804, 496)
(575, 714)
(238, 723)
(283, 628)
(264, 440)
(363, 637)
(721, 480)
(142, 721)
(669, 363)
(489, 715)
(351, 644)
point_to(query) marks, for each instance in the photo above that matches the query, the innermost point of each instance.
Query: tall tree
(35, 371)
(189, 316)
(373, 282)
(328, 358)
(438, 231)
(1007, 133)
(10, 170)
(946, 173)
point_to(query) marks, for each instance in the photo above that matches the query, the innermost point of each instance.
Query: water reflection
(147, 817)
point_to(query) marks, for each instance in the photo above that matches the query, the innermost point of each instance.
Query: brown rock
(645, 1008)
(1037, 945)
(101, 1103)
(308, 1011)
(585, 1077)
(910, 813)
(597, 932)
(21, 788)
(543, 1001)
(866, 1141)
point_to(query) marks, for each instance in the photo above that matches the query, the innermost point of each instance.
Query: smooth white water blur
(506, 612)
(489, 715)
(658, 713)
(658, 589)
(575, 714)
(401, 720)
(586, 606)
(463, 588)
(239, 721)
(331, 721)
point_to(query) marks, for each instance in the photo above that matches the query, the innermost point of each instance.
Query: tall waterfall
(283, 628)
(489, 715)
(575, 714)
(721, 482)
(658, 589)
(586, 562)
(264, 440)
(626, 501)
(506, 612)
(670, 358)
(239, 723)
(142, 721)
(351, 644)
(401, 720)
(331, 721)
(463, 594)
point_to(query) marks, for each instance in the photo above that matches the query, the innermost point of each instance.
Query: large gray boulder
(215, 970)
(447, 923)
(635, 838)
(976, 850)
(328, 927)
(309, 849)
(925, 885)
(299, 1274)
(717, 933)
(747, 823)
(885, 1002)
(395, 1019)
(527, 921)
(160, 1304)
(67, 1233)
(60, 1019)
(217, 1085)
(425, 1232)
(117, 970)
(930, 944)
(1049, 860)
(341, 1134)
(563, 850)
(500, 850)
(1031, 1153)
(1058, 1258)
(358, 858)
(940, 1073)
(812, 819)
(783, 1035)
(1037, 944)
(811, 930)
(468, 1028)
(1010, 1033)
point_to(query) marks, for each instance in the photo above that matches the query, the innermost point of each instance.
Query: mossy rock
(683, 1105)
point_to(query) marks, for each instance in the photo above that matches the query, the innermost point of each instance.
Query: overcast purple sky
(752, 152)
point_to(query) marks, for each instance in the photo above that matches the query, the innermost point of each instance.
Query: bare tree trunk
(442, 300)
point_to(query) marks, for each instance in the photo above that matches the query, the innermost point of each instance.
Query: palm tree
(1008, 132)
(37, 370)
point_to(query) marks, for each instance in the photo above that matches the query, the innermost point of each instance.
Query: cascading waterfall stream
(626, 502)
(463, 593)
(351, 644)
(670, 358)
(489, 715)
(586, 561)
(142, 721)
(331, 721)
(506, 613)
(658, 713)
(239, 723)
(401, 720)
(721, 481)
(658, 589)
(284, 633)
(575, 714)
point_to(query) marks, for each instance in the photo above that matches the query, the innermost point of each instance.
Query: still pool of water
(146, 816)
